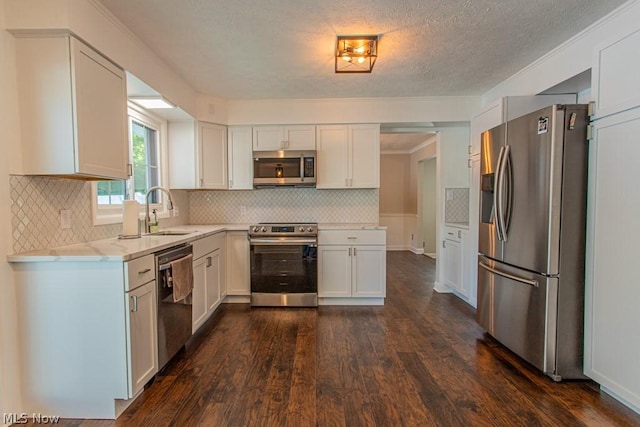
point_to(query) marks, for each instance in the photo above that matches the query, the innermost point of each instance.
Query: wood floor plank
(420, 360)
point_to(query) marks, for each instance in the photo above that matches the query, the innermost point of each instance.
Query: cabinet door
(199, 295)
(214, 271)
(240, 158)
(615, 80)
(452, 264)
(489, 118)
(268, 138)
(213, 156)
(101, 114)
(332, 156)
(238, 279)
(364, 156)
(368, 271)
(301, 137)
(143, 340)
(182, 154)
(613, 231)
(334, 271)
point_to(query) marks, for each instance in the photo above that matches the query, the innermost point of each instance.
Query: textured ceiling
(252, 49)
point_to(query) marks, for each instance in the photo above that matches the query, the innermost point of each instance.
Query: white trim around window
(102, 215)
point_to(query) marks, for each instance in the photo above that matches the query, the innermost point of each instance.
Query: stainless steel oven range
(284, 265)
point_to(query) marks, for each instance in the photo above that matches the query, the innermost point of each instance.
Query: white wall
(9, 140)
(352, 110)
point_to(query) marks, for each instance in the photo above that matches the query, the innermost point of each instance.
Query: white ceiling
(252, 49)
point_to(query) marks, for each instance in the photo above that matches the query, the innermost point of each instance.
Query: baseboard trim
(417, 251)
(441, 289)
(430, 255)
(237, 299)
(398, 248)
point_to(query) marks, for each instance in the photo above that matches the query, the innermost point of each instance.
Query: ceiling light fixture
(356, 54)
(152, 102)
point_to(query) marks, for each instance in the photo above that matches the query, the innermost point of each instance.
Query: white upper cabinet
(73, 109)
(240, 159)
(348, 156)
(294, 137)
(197, 155)
(212, 150)
(615, 81)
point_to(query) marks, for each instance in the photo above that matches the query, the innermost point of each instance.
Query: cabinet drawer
(138, 272)
(453, 233)
(203, 246)
(352, 237)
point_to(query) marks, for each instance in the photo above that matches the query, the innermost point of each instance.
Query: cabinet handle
(230, 183)
(201, 182)
(459, 234)
(469, 149)
(349, 251)
(208, 261)
(134, 303)
(444, 243)
(354, 251)
(351, 238)
(144, 271)
(469, 163)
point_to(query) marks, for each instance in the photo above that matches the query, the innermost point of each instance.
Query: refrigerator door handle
(507, 188)
(533, 283)
(496, 191)
(500, 185)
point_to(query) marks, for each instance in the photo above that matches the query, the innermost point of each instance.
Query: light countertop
(115, 249)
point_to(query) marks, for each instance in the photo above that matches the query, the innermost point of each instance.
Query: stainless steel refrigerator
(532, 237)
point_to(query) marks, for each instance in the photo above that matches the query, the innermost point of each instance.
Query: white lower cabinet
(88, 335)
(208, 277)
(456, 272)
(142, 336)
(351, 264)
(237, 263)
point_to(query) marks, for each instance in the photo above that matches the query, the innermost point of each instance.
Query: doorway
(428, 211)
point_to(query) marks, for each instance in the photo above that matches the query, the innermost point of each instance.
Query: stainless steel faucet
(147, 218)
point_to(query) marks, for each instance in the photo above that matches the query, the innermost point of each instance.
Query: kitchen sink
(169, 233)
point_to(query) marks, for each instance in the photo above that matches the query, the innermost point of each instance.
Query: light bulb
(360, 60)
(346, 58)
(360, 49)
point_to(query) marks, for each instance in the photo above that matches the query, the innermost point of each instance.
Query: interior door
(532, 189)
(492, 142)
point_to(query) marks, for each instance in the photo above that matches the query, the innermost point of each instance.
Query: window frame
(112, 214)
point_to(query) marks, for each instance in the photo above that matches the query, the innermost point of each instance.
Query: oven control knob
(301, 229)
(309, 229)
(255, 229)
(264, 229)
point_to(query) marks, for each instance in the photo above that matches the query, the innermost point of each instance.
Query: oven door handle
(278, 242)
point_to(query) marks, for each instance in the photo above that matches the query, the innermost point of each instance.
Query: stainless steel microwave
(284, 168)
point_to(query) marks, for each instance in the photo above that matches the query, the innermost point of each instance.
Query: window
(146, 135)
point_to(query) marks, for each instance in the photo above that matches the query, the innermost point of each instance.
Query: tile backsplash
(284, 205)
(35, 213)
(456, 205)
(36, 203)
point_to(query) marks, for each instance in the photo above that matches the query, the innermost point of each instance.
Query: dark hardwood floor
(421, 360)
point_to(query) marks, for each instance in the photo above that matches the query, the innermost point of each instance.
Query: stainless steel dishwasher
(174, 317)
